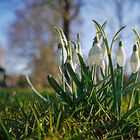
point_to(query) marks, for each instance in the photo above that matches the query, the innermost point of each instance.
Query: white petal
(134, 62)
(90, 61)
(74, 56)
(95, 55)
(59, 56)
(121, 56)
(104, 51)
(103, 66)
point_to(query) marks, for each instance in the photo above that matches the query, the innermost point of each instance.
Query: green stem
(119, 85)
(94, 74)
(132, 94)
(63, 70)
(113, 84)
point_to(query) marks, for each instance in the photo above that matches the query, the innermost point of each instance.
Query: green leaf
(131, 111)
(98, 34)
(108, 77)
(115, 37)
(130, 87)
(137, 94)
(55, 85)
(63, 95)
(33, 88)
(73, 75)
(101, 30)
(58, 120)
(5, 130)
(114, 137)
(87, 76)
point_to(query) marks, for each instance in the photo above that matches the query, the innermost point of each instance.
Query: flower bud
(95, 54)
(60, 55)
(74, 55)
(134, 60)
(120, 55)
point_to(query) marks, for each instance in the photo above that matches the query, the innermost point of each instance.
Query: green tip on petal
(59, 46)
(120, 43)
(135, 48)
(96, 39)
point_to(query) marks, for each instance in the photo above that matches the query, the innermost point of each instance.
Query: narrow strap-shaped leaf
(116, 73)
(115, 37)
(88, 78)
(54, 84)
(58, 120)
(137, 97)
(130, 81)
(115, 137)
(103, 34)
(73, 75)
(33, 88)
(98, 30)
(5, 130)
(131, 111)
(130, 87)
(59, 90)
(104, 24)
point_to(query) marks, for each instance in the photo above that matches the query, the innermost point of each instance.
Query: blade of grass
(33, 88)
(131, 111)
(58, 120)
(5, 130)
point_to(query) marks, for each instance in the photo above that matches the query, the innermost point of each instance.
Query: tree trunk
(66, 19)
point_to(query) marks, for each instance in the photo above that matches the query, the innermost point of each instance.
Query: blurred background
(28, 40)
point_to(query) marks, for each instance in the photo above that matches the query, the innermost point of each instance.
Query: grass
(92, 105)
(25, 116)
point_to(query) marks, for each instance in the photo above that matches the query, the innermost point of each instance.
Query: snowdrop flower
(120, 55)
(104, 51)
(103, 66)
(74, 56)
(134, 60)
(95, 54)
(90, 60)
(60, 56)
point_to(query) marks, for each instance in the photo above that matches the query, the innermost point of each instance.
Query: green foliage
(93, 104)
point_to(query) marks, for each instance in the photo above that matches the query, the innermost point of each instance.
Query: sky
(13, 64)
(16, 65)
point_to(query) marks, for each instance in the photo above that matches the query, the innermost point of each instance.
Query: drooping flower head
(120, 55)
(61, 54)
(95, 54)
(134, 60)
(104, 51)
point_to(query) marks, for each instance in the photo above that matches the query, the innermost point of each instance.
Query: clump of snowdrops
(96, 102)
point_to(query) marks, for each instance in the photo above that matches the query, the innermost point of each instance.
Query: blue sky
(87, 30)
(12, 63)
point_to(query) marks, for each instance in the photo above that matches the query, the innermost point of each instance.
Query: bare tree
(33, 30)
